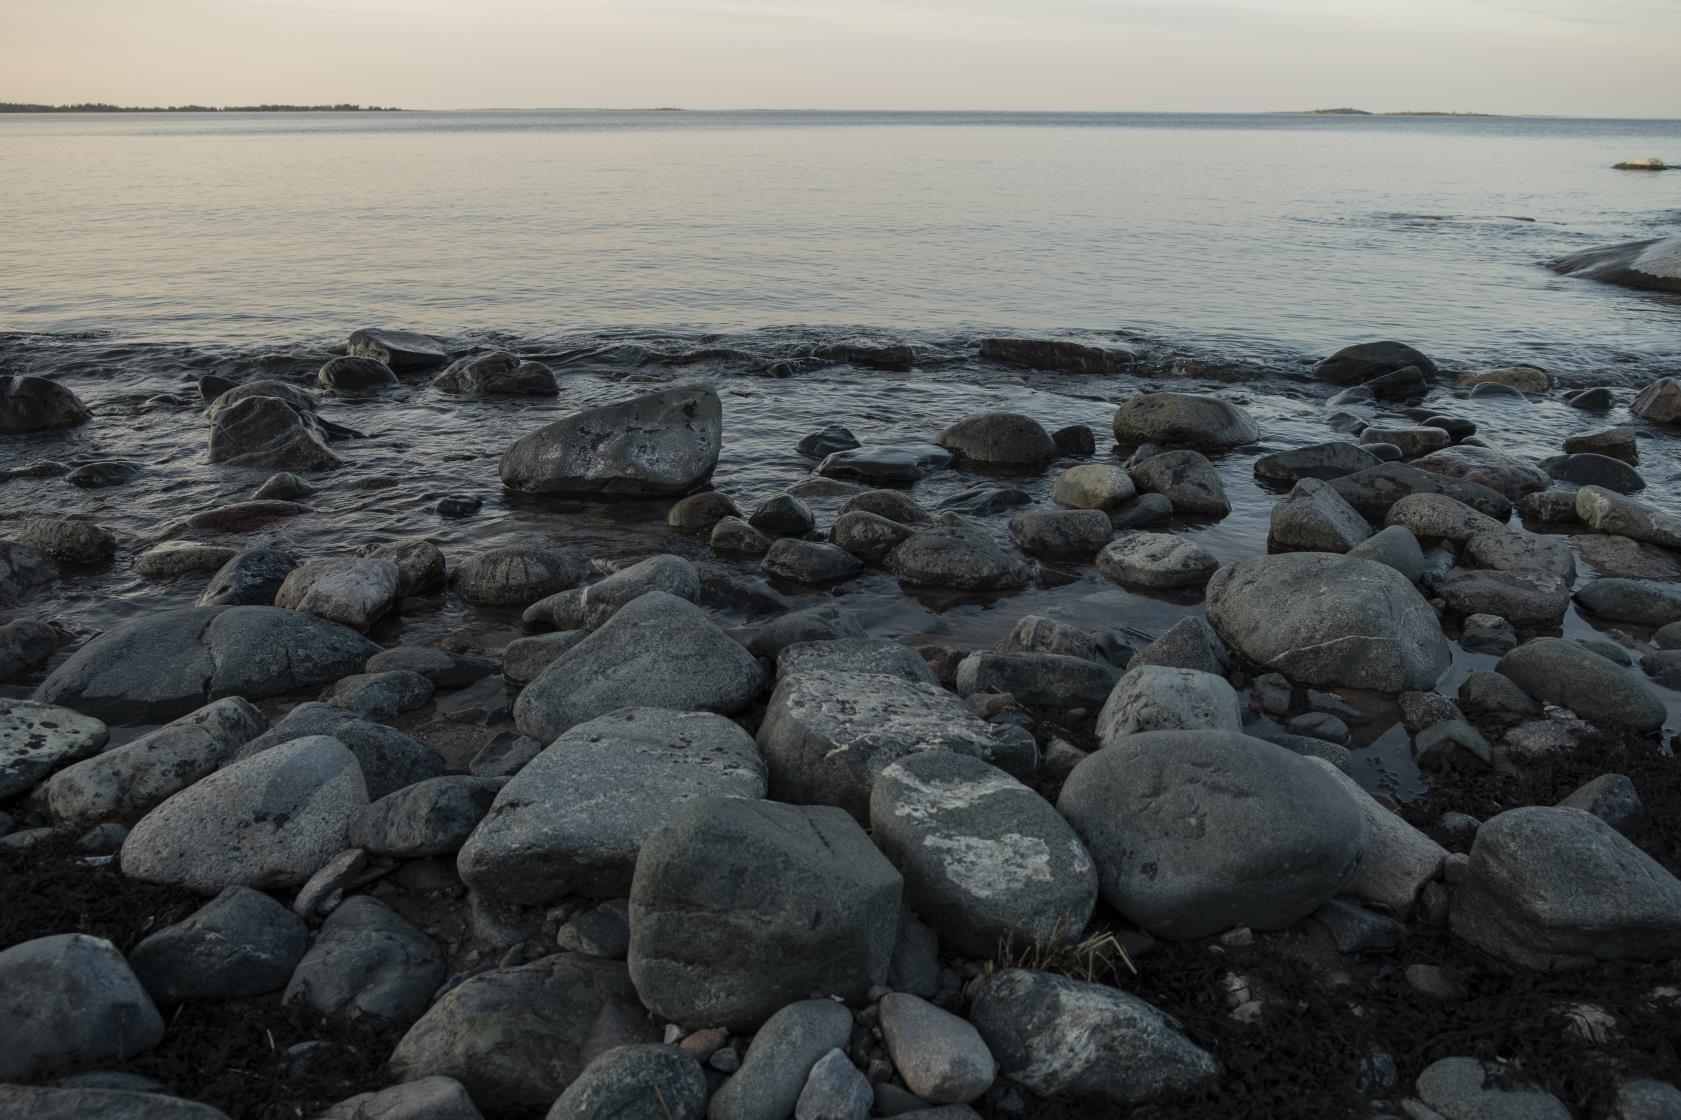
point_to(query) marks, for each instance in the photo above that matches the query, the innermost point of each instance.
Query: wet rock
(1160, 698)
(1487, 633)
(827, 736)
(986, 861)
(636, 1083)
(1566, 674)
(37, 739)
(1439, 517)
(240, 943)
(1551, 888)
(1374, 492)
(1643, 601)
(1183, 420)
(1054, 354)
(300, 399)
(731, 534)
(23, 569)
(444, 670)
(70, 1000)
(899, 464)
(260, 431)
(1398, 860)
(1329, 620)
(179, 558)
(1487, 467)
(403, 351)
(368, 961)
(497, 373)
(517, 1037)
(698, 513)
(958, 557)
(780, 1059)
(1158, 560)
(1588, 469)
(379, 697)
(1185, 478)
(1315, 518)
(1037, 634)
(1664, 667)
(101, 475)
(823, 623)
(1002, 438)
(656, 445)
(1321, 460)
(1413, 442)
(1528, 600)
(656, 651)
(35, 404)
(826, 441)
(1354, 364)
(1061, 534)
(1075, 441)
(1279, 836)
(782, 515)
(283, 487)
(709, 946)
(352, 375)
(1659, 402)
(1451, 742)
(891, 504)
(1604, 511)
(1093, 486)
(813, 562)
(1041, 680)
(68, 540)
(127, 781)
(389, 759)
(1054, 1035)
(420, 564)
(24, 644)
(941, 1057)
(516, 575)
(351, 591)
(1146, 509)
(983, 501)
(868, 536)
(269, 821)
(573, 820)
(600, 601)
(1394, 547)
(249, 578)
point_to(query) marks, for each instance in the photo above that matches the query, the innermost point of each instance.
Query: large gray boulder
(124, 783)
(429, 818)
(959, 558)
(1275, 837)
(1166, 698)
(1329, 620)
(657, 651)
(352, 591)
(35, 404)
(368, 960)
(1595, 688)
(69, 1000)
(656, 445)
(390, 760)
(1184, 420)
(987, 862)
(1605, 511)
(270, 433)
(827, 736)
(1649, 602)
(1550, 888)
(517, 1037)
(240, 943)
(1057, 1036)
(573, 820)
(270, 821)
(163, 665)
(37, 739)
(739, 907)
(1001, 438)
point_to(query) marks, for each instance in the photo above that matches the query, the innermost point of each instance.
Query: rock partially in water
(1647, 602)
(1184, 420)
(867, 535)
(1660, 402)
(1315, 518)
(1061, 534)
(1593, 687)
(1586, 468)
(1652, 265)
(69, 540)
(1185, 478)
(35, 404)
(260, 431)
(892, 464)
(178, 558)
(24, 644)
(70, 1000)
(354, 376)
(23, 569)
(1042, 680)
(497, 373)
(1375, 491)
(1158, 560)
(810, 562)
(1094, 486)
(285, 487)
(1354, 364)
(698, 513)
(656, 445)
(1330, 621)
(351, 591)
(709, 946)
(1413, 442)
(1529, 600)
(249, 578)
(782, 515)
(403, 351)
(1605, 511)
(1055, 354)
(826, 441)
(1323, 461)
(103, 474)
(1484, 466)
(894, 505)
(958, 557)
(999, 438)
(516, 575)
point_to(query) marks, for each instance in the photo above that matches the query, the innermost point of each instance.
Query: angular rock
(1529, 600)
(1042, 680)
(1375, 491)
(267, 432)
(835, 1090)
(249, 578)
(403, 351)
(1659, 402)
(1398, 860)
(1189, 643)
(1393, 547)
(1061, 534)
(660, 444)
(1604, 511)
(780, 1059)
(1314, 518)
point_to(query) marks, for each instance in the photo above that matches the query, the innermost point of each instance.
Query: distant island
(1369, 113)
(102, 107)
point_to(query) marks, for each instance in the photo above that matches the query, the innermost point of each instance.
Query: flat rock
(1530, 600)
(1321, 460)
(178, 558)
(1485, 466)
(894, 464)
(854, 655)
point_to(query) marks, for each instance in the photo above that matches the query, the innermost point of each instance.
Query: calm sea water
(1295, 233)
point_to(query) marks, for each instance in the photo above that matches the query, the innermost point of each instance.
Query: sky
(1563, 57)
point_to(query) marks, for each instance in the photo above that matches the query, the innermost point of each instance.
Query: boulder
(433, 817)
(957, 557)
(891, 504)
(827, 736)
(573, 820)
(1439, 517)
(517, 1037)
(240, 943)
(249, 579)
(1412, 441)
(987, 862)
(1393, 547)
(868, 536)
(1651, 265)
(1321, 460)
(698, 513)
(126, 782)
(268, 432)
(1587, 468)
(179, 558)
(1275, 839)
(1094, 486)
(1185, 478)
(352, 375)
(1571, 676)
(1483, 466)
(1041, 680)
(69, 540)
(70, 1000)
(1315, 518)
(1061, 534)
(420, 564)
(1354, 364)
(941, 1057)
(810, 562)
(739, 907)
(37, 739)
(895, 464)
(35, 404)
(497, 373)
(1660, 402)
(835, 1090)
(1530, 600)
(165, 664)
(1374, 492)
(403, 351)
(1646, 602)
(780, 1059)
(1330, 621)
(351, 591)
(1551, 888)
(1055, 1036)
(1055, 354)
(516, 575)
(854, 655)
(1605, 511)
(1189, 643)
(1184, 420)
(657, 651)
(1160, 698)
(390, 760)
(270, 821)
(1156, 560)
(636, 1083)
(999, 438)
(1398, 860)
(1520, 552)
(660, 444)
(369, 961)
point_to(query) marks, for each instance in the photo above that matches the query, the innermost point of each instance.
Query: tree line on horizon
(104, 107)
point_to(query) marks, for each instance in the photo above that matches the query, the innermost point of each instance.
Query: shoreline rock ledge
(663, 444)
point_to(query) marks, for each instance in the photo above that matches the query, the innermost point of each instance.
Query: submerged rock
(1652, 265)
(1054, 354)
(268, 432)
(497, 373)
(403, 351)
(656, 445)
(1354, 364)
(899, 464)
(355, 376)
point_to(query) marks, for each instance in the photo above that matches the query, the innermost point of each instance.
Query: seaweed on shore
(54, 888)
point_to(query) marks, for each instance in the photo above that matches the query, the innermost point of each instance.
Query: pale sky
(1566, 57)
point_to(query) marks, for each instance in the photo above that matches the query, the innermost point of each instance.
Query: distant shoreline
(103, 107)
(1369, 113)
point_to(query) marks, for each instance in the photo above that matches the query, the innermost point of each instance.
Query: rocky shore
(1177, 750)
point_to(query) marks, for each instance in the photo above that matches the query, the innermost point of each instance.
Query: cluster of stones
(796, 869)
